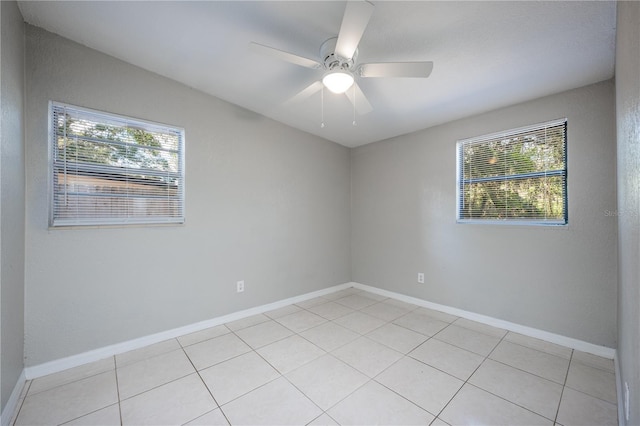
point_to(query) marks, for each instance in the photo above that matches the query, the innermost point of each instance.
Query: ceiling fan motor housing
(332, 61)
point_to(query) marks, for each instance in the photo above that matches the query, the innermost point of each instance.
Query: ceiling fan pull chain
(322, 108)
(354, 106)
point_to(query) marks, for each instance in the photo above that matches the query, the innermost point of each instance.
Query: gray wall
(12, 208)
(558, 279)
(628, 123)
(264, 203)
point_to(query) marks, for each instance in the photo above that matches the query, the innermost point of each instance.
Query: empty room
(320, 212)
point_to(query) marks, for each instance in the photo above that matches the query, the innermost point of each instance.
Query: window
(517, 176)
(109, 170)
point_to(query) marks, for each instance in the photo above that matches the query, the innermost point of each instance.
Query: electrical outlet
(240, 286)
(626, 401)
(420, 278)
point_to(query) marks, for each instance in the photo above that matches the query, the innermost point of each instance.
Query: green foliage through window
(519, 175)
(109, 169)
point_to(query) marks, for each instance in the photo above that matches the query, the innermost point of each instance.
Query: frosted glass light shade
(337, 81)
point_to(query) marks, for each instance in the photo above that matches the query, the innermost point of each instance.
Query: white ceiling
(486, 54)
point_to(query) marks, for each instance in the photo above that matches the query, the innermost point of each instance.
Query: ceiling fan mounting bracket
(330, 60)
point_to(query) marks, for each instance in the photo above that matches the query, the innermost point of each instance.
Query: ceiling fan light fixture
(338, 81)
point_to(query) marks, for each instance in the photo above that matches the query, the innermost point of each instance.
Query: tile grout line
(564, 385)
(306, 396)
(539, 350)
(595, 367)
(373, 379)
(268, 382)
(244, 394)
(503, 398)
(325, 353)
(255, 350)
(511, 402)
(439, 369)
(402, 396)
(183, 346)
(157, 386)
(369, 379)
(115, 367)
(529, 372)
(17, 414)
(72, 381)
(26, 394)
(470, 375)
(417, 360)
(336, 324)
(219, 407)
(334, 357)
(410, 329)
(591, 396)
(101, 408)
(324, 413)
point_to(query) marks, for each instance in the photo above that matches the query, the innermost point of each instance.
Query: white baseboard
(622, 419)
(58, 365)
(570, 342)
(14, 399)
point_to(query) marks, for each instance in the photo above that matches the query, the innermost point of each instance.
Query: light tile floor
(350, 357)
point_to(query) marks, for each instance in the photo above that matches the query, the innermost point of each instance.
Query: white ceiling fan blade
(311, 89)
(285, 56)
(397, 69)
(358, 99)
(355, 20)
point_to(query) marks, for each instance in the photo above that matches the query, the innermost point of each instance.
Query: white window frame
(506, 134)
(124, 121)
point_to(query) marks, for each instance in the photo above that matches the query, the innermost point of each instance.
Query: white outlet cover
(240, 286)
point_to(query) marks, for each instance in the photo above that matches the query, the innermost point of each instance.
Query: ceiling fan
(339, 60)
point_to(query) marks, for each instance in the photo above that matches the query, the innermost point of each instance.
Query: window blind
(109, 170)
(514, 176)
